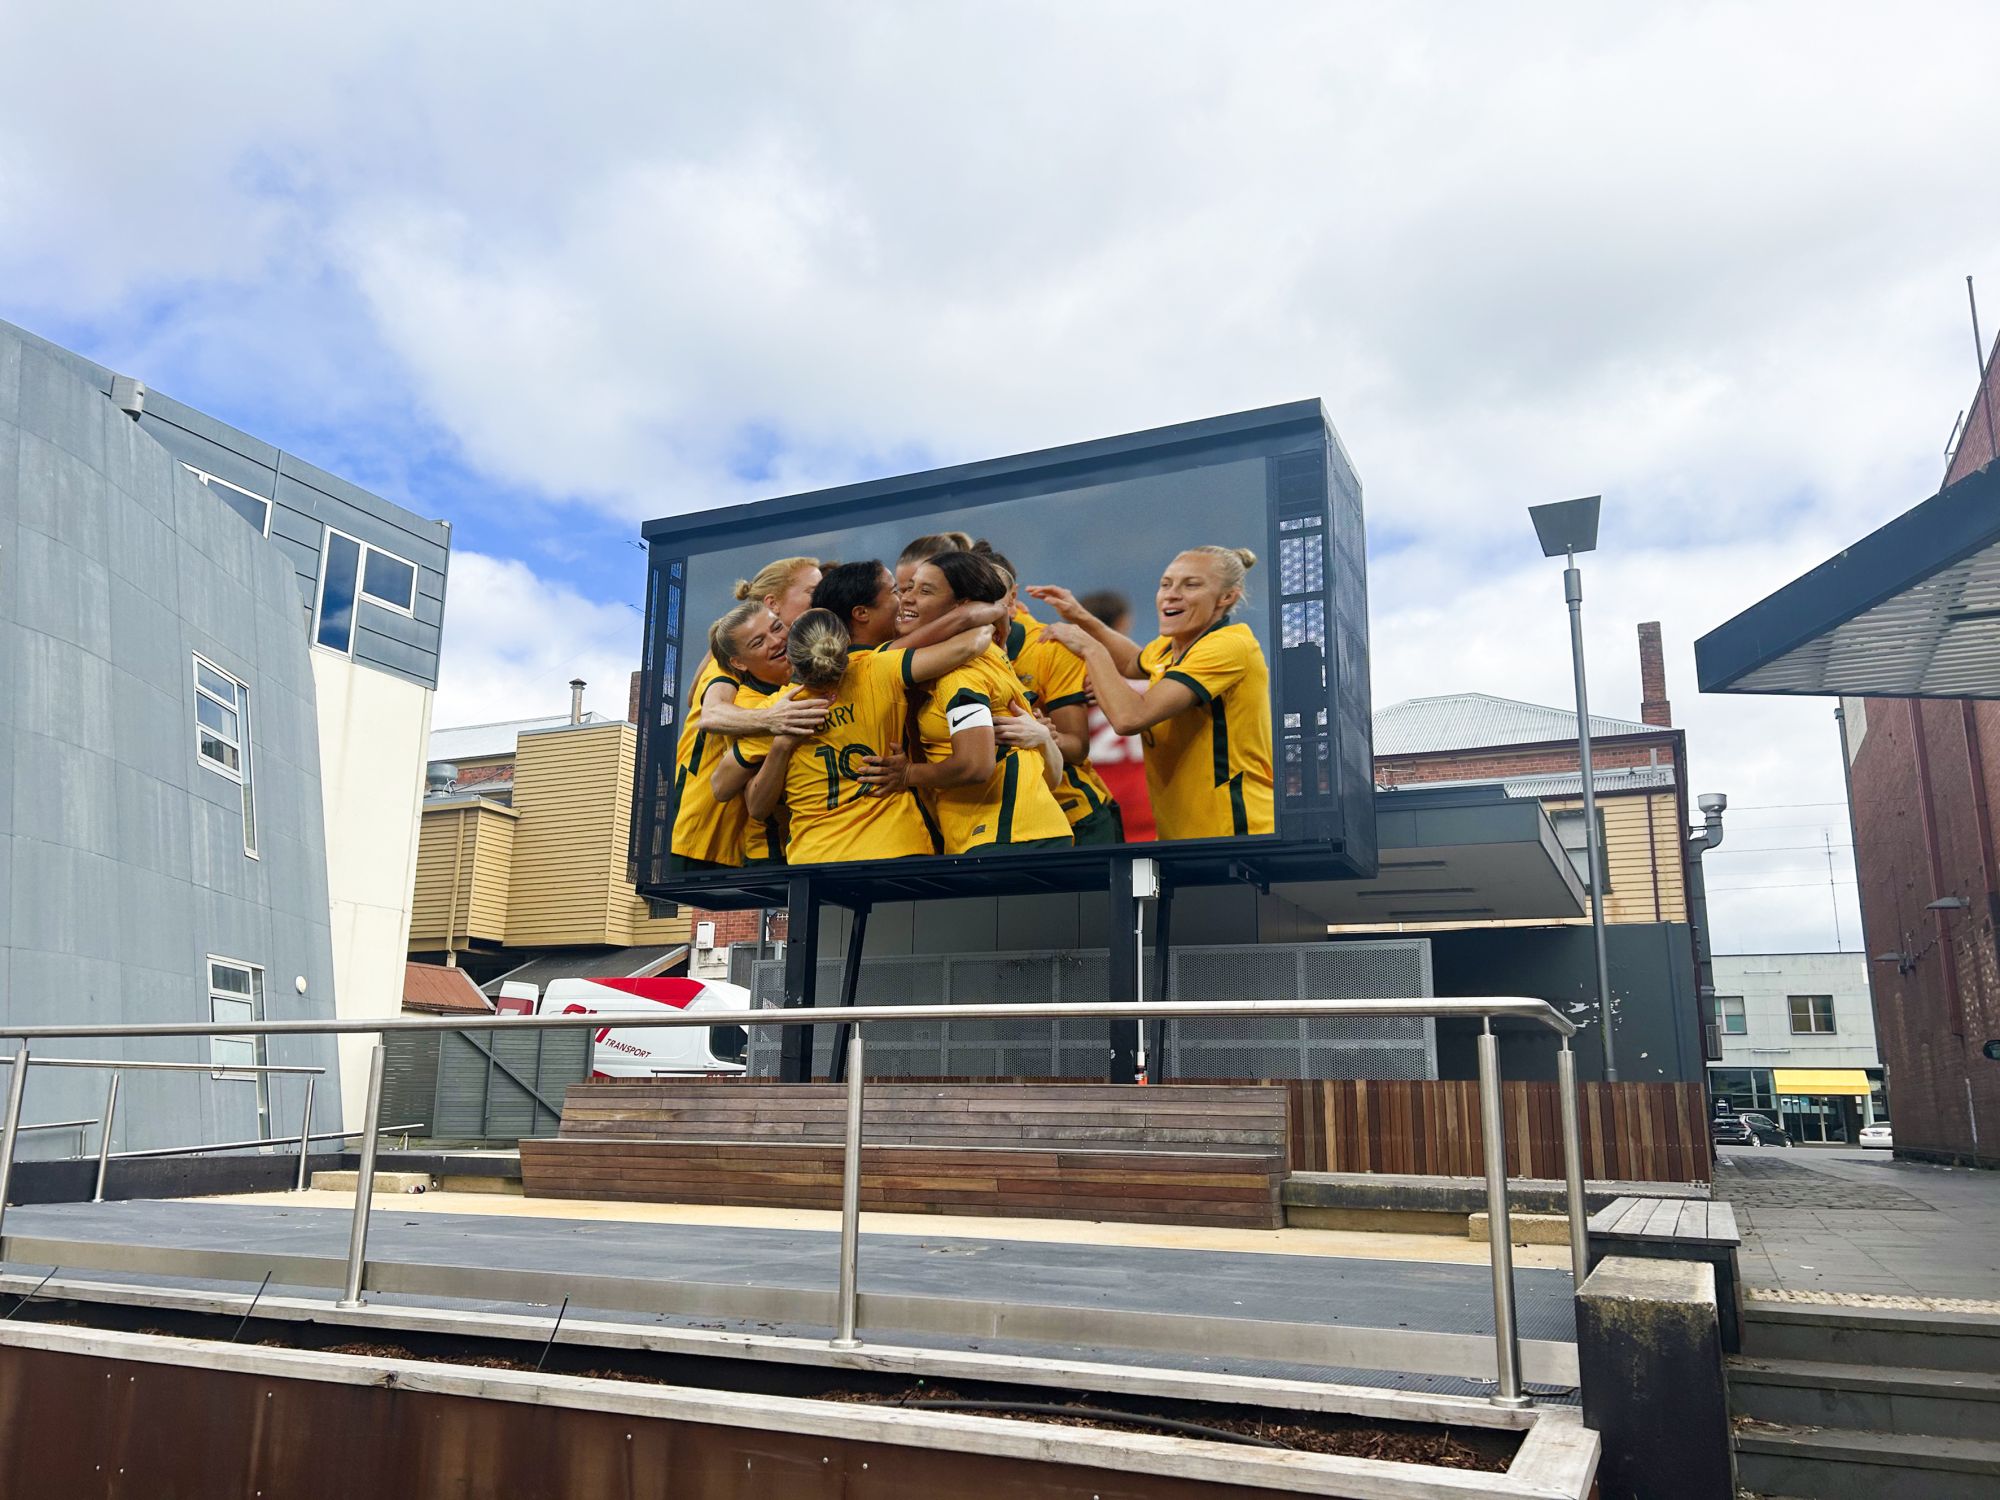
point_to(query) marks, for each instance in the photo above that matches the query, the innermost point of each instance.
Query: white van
(650, 1051)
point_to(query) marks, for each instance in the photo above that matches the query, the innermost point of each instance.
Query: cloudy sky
(547, 271)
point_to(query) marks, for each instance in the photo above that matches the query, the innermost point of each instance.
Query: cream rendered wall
(374, 731)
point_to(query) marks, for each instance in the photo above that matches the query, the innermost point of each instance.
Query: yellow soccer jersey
(1014, 805)
(1053, 677)
(704, 828)
(1208, 768)
(834, 816)
(763, 841)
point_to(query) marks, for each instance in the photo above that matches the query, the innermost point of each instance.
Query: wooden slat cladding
(465, 861)
(1632, 1132)
(1190, 1154)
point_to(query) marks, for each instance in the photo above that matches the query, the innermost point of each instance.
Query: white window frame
(360, 588)
(204, 477)
(369, 549)
(245, 773)
(1812, 1026)
(1722, 1014)
(224, 1071)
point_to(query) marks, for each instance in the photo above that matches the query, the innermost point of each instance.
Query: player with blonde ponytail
(845, 666)
(1204, 716)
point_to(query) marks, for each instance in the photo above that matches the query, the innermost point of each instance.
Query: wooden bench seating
(1677, 1229)
(1192, 1155)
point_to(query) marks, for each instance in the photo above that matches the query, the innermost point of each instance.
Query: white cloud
(513, 641)
(1703, 259)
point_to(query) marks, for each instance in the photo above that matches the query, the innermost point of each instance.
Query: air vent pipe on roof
(576, 687)
(440, 778)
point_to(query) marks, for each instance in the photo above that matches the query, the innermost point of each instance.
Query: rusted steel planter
(99, 1412)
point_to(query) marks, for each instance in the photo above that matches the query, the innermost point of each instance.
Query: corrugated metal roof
(1566, 784)
(435, 988)
(479, 741)
(1479, 721)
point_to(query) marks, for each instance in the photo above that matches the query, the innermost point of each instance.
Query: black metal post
(850, 980)
(1163, 985)
(801, 976)
(1123, 949)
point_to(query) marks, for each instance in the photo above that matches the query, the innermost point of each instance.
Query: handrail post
(104, 1136)
(17, 1088)
(1579, 1207)
(1499, 1229)
(305, 1134)
(850, 1199)
(364, 1182)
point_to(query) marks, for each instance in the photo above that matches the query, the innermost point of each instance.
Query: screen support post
(1163, 969)
(850, 981)
(1135, 885)
(801, 975)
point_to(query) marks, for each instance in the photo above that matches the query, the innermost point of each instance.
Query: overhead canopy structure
(1453, 854)
(1910, 611)
(1850, 1082)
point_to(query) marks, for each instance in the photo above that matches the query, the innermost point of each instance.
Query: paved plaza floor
(1173, 1271)
(1822, 1219)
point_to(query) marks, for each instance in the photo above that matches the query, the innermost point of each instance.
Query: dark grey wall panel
(122, 861)
(306, 499)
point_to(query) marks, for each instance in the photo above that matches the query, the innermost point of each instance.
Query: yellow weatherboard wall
(573, 797)
(465, 866)
(1642, 856)
(548, 871)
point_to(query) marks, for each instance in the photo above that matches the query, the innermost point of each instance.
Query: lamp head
(1566, 526)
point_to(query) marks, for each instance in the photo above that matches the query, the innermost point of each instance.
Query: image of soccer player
(1053, 679)
(784, 587)
(923, 549)
(733, 694)
(990, 765)
(1204, 715)
(833, 813)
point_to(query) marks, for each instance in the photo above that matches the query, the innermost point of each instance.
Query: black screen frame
(1323, 765)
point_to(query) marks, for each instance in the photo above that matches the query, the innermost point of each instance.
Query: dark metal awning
(1909, 611)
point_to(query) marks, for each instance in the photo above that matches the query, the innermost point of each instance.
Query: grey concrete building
(161, 847)
(215, 688)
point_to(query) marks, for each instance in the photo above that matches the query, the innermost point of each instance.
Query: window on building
(248, 504)
(351, 570)
(236, 997)
(1729, 1011)
(222, 737)
(1811, 1014)
(1744, 1088)
(1569, 832)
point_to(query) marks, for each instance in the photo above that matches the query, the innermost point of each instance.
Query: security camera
(1712, 802)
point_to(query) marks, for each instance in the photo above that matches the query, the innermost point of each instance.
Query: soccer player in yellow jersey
(730, 696)
(1052, 678)
(990, 765)
(865, 685)
(1204, 716)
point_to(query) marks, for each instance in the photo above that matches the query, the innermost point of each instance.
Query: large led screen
(1024, 659)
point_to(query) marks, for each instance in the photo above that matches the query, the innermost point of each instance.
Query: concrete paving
(1818, 1219)
(1454, 1298)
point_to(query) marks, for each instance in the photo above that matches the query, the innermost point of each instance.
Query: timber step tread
(1963, 1385)
(1883, 1449)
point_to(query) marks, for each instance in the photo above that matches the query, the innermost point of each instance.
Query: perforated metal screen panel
(1392, 1047)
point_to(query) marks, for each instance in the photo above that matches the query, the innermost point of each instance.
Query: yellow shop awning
(1848, 1081)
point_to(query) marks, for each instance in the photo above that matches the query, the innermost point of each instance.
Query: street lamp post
(1566, 528)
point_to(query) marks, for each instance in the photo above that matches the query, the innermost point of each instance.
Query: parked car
(1877, 1136)
(1747, 1130)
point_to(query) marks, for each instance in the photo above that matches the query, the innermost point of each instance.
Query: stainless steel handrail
(1504, 1007)
(269, 1140)
(58, 1125)
(1507, 1362)
(120, 1065)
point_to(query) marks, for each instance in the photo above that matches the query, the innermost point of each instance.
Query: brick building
(1904, 627)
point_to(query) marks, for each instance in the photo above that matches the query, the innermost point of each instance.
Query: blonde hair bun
(1245, 556)
(742, 589)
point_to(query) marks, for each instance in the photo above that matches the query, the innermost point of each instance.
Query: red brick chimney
(1653, 705)
(632, 703)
